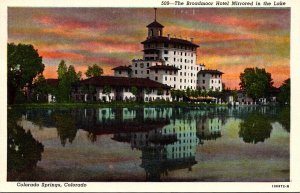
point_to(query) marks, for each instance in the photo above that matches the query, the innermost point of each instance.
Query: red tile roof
(126, 68)
(155, 24)
(114, 81)
(162, 39)
(164, 67)
(210, 72)
(52, 81)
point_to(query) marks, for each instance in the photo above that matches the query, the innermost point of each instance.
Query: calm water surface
(160, 144)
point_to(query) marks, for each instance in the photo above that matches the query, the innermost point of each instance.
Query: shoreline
(112, 105)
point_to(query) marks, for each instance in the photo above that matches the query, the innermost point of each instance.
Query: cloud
(229, 39)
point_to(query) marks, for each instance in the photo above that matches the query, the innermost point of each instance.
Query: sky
(230, 40)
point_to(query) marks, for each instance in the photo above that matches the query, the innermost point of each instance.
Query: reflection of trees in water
(65, 125)
(255, 128)
(284, 118)
(23, 151)
(156, 163)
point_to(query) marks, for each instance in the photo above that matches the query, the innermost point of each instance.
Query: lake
(213, 144)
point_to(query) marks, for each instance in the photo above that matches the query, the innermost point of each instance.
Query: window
(185, 54)
(174, 52)
(166, 52)
(184, 80)
(174, 59)
(147, 71)
(180, 81)
(180, 87)
(192, 62)
(166, 45)
(203, 75)
(135, 71)
(135, 64)
(180, 73)
(192, 55)
(156, 78)
(166, 58)
(203, 81)
(174, 78)
(219, 81)
(156, 71)
(212, 81)
(180, 59)
(165, 78)
(120, 72)
(148, 64)
(142, 65)
(181, 53)
(142, 72)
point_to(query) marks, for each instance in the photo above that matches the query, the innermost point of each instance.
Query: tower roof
(155, 24)
(161, 39)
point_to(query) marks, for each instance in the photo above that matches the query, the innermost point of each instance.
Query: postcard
(159, 96)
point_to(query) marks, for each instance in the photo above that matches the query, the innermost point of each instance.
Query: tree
(66, 127)
(256, 82)
(23, 65)
(284, 96)
(67, 77)
(160, 91)
(134, 90)
(62, 70)
(93, 71)
(23, 151)
(40, 86)
(148, 90)
(255, 128)
(106, 90)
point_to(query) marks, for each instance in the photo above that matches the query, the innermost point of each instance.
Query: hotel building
(171, 61)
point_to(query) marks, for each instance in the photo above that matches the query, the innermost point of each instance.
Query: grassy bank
(114, 104)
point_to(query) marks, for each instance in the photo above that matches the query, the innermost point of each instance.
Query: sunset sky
(230, 39)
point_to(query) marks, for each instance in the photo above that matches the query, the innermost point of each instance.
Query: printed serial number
(280, 186)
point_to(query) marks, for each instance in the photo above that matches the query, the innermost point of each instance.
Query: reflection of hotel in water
(209, 128)
(167, 137)
(164, 149)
